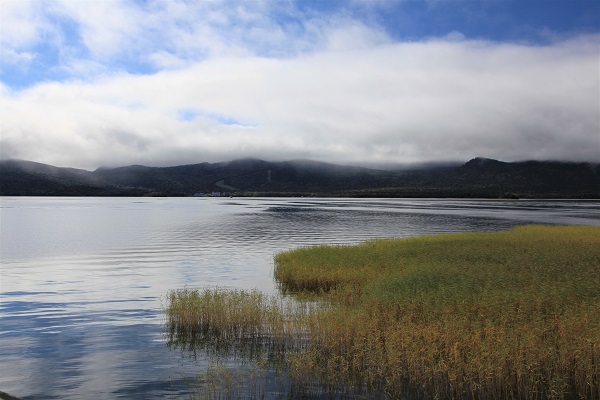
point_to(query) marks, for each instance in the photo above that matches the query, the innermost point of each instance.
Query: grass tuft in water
(234, 321)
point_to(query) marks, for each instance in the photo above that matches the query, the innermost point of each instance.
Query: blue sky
(496, 20)
(86, 83)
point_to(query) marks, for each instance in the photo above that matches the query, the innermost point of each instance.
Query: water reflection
(82, 279)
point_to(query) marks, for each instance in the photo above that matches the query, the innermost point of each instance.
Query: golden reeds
(479, 316)
(235, 321)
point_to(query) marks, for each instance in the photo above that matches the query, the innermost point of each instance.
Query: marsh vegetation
(474, 315)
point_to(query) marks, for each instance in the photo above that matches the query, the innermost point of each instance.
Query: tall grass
(257, 331)
(235, 321)
(478, 315)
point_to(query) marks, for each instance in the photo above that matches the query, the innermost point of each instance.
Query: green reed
(234, 321)
(477, 315)
(482, 315)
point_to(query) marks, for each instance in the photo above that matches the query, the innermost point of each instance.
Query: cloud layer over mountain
(162, 83)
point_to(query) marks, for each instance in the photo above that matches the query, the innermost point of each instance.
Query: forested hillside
(479, 177)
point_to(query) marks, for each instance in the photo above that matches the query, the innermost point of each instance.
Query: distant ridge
(477, 178)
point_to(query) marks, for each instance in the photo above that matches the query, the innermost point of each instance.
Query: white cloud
(20, 26)
(436, 100)
(235, 81)
(106, 28)
(165, 60)
(11, 56)
(19, 23)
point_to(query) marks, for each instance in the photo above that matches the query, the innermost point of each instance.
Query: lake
(82, 279)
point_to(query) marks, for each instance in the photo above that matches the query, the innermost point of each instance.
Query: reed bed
(505, 315)
(487, 315)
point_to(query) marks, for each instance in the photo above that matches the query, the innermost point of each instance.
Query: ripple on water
(83, 280)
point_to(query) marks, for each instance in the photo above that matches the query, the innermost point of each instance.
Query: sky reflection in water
(82, 279)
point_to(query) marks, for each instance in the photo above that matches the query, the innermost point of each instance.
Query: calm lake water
(82, 278)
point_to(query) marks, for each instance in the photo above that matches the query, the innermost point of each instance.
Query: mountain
(479, 177)
(528, 178)
(246, 175)
(27, 178)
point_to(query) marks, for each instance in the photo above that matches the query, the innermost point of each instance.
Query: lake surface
(82, 278)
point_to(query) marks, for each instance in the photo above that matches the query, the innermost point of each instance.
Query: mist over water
(82, 278)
